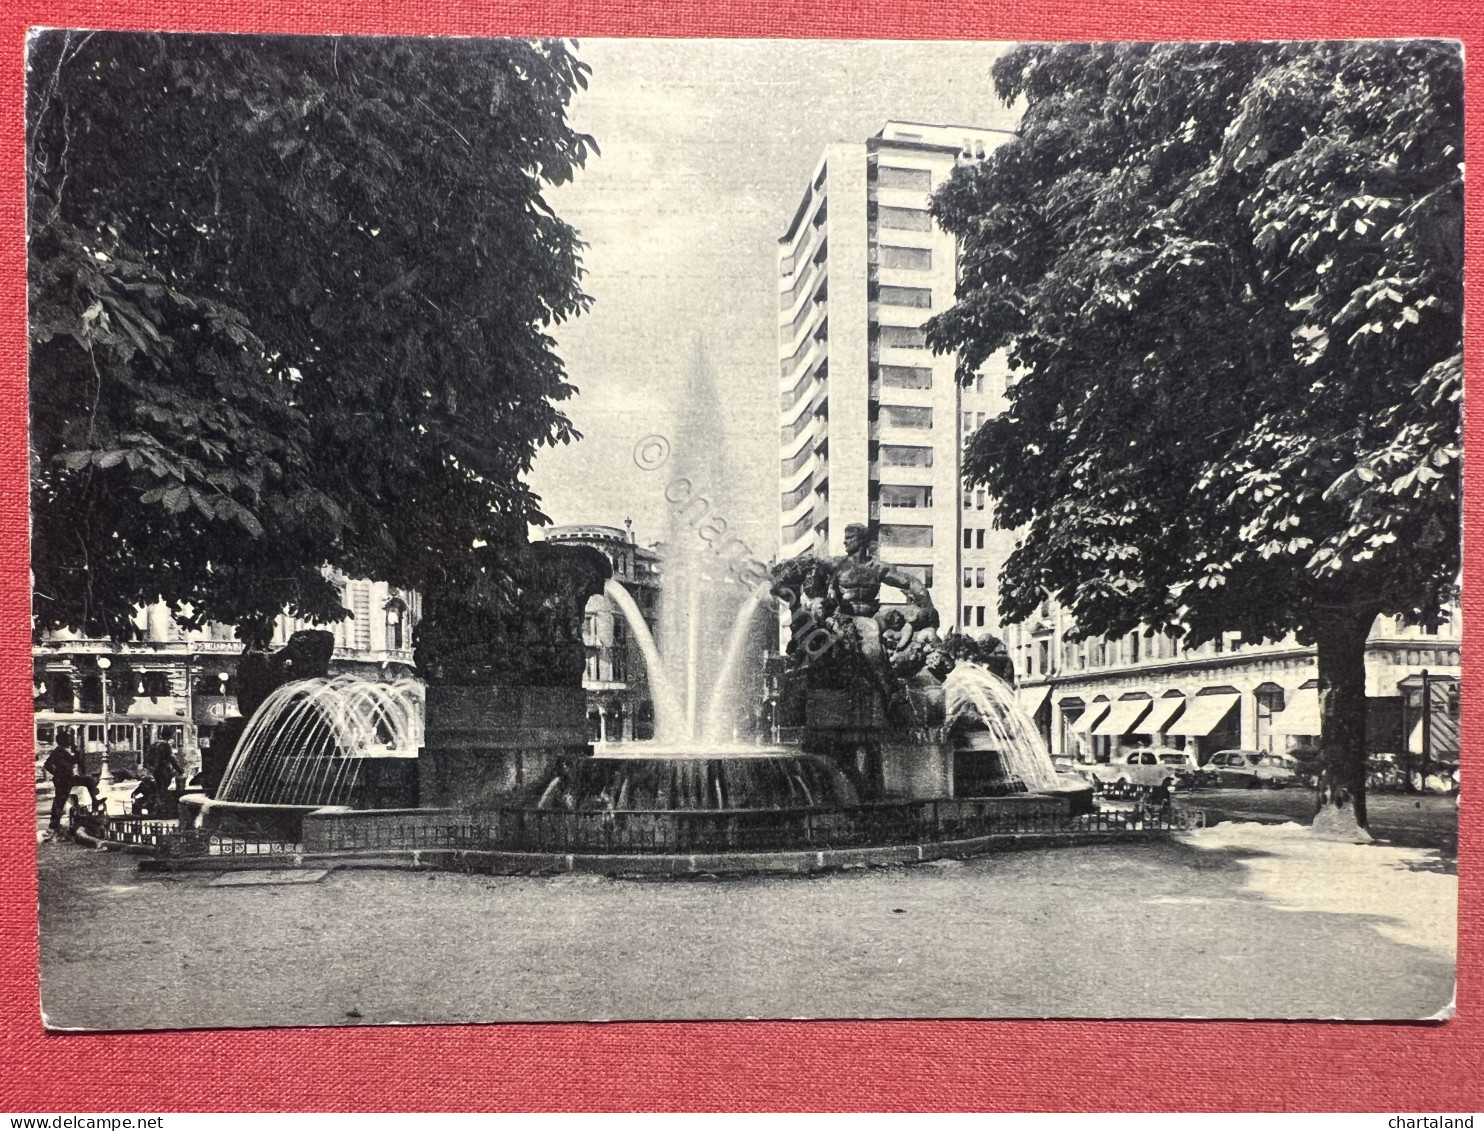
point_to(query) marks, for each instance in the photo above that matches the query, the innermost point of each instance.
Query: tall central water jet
(704, 614)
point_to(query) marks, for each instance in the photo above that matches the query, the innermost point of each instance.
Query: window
(1147, 760)
(968, 423)
(903, 337)
(894, 496)
(915, 537)
(1045, 656)
(907, 258)
(889, 176)
(968, 614)
(920, 297)
(793, 533)
(904, 219)
(978, 500)
(155, 684)
(793, 498)
(923, 573)
(793, 463)
(904, 416)
(60, 685)
(906, 376)
(979, 578)
(979, 616)
(979, 383)
(979, 538)
(905, 455)
(968, 577)
(968, 539)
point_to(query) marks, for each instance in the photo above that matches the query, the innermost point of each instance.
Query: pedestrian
(163, 766)
(1162, 796)
(67, 769)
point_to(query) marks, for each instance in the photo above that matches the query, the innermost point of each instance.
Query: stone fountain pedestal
(888, 761)
(487, 746)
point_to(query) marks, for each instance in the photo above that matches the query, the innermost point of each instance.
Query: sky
(707, 147)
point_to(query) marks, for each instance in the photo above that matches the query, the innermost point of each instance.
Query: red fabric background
(926, 1065)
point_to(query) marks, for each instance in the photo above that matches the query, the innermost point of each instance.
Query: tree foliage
(290, 301)
(1228, 281)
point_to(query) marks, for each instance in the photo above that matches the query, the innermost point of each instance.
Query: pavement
(1213, 926)
(1409, 820)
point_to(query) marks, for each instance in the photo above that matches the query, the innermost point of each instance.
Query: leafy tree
(289, 302)
(1228, 281)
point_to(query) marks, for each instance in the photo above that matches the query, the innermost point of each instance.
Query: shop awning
(1125, 713)
(1301, 715)
(1203, 713)
(1443, 738)
(1032, 698)
(1159, 715)
(1083, 724)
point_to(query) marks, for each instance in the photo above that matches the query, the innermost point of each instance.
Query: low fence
(668, 832)
(672, 832)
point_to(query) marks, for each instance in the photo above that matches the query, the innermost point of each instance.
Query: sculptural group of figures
(889, 648)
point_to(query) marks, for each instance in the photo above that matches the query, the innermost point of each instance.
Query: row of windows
(786, 366)
(906, 537)
(904, 219)
(895, 496)
(902, 337)
(796, 531)
(892, 176)
(974, 500)
(974, 577)
(790, 432)
(906, 455)
(923, 573)
(973, 420)
(793, 463)
(920, 297)
(906, 416)
(905, 258)
(974, 616)
(905, 376)
(974, 538)
(790, 399)
(793, 498)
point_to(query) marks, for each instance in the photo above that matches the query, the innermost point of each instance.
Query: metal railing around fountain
(686, 832)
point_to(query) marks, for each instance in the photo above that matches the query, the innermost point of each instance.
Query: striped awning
(1084, 723)
(1160, 715)
(1032, 699)
(1301, 715)
(1203, 714)
(1120, 720)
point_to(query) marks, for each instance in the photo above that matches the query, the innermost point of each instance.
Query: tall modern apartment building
(872, 422)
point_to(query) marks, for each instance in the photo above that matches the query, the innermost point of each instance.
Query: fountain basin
(652, 777)
(250, 820)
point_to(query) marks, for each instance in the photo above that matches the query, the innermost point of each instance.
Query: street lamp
(104, 663)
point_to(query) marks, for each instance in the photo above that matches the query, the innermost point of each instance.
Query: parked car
(1252, 769)
(1146, 768)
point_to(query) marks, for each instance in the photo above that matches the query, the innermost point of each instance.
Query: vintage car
(1146, 768)
(1251, 769)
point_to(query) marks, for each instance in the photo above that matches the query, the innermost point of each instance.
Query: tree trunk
(1341, 638)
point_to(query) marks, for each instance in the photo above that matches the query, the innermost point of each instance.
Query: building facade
(871, 422)
(1095, 698)
(619, 707)
(179, 685)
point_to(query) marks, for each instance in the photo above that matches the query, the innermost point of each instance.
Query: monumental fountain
(899, 736)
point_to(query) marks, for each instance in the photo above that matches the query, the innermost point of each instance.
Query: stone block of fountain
(485, 745)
